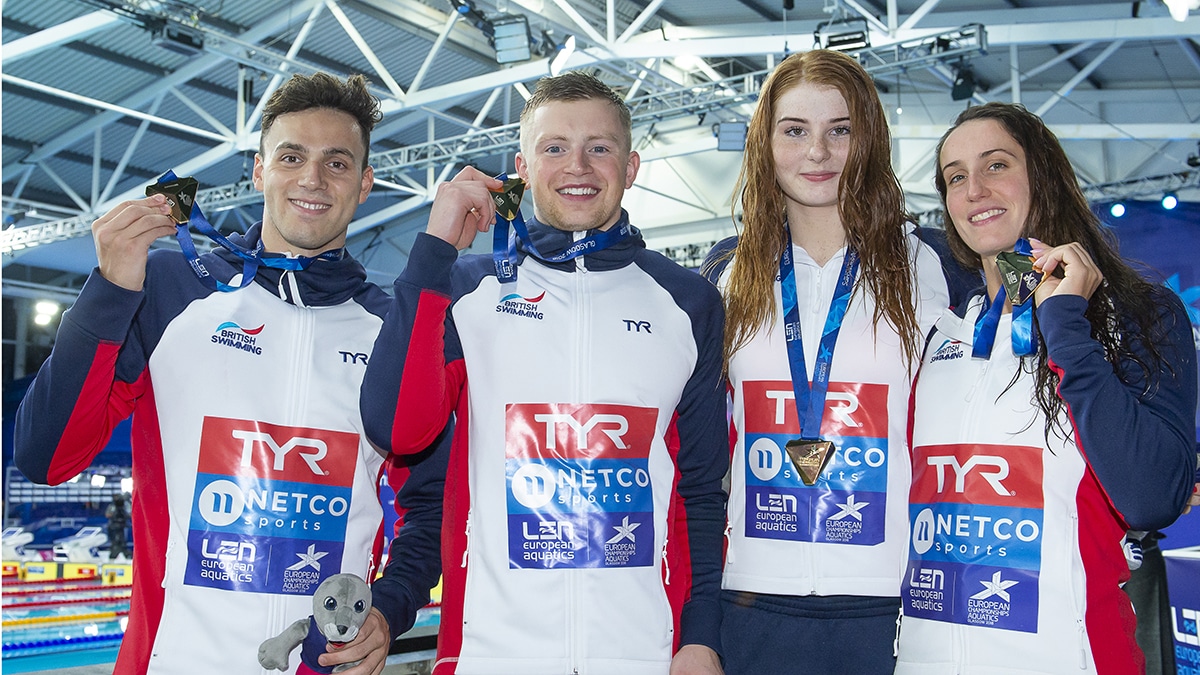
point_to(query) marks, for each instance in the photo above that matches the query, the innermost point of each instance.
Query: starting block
(82, 546)
(13, 541)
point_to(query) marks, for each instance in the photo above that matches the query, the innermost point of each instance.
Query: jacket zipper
(970, 425)
(1077, 594)
(580, 374)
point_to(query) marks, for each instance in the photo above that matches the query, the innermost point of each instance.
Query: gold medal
(180, 194)
(810, 456)
(1019, 276)
(508, 199)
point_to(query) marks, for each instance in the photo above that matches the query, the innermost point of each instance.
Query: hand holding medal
(463, 208)
(1068, 269)
(180, 194)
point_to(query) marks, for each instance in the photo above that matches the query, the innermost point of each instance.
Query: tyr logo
(617, 425)
(354, 357)
(317, 449)
(998, 472)
(841, 405)
(634, 326)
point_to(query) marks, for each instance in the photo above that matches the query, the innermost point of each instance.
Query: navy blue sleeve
(703, 456)
(77, 398)
(411, 384)
(718, 259)
(1137, 437)
(414, 557)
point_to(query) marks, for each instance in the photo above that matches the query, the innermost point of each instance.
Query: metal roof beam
(1065, 90)
(68, 31)
(193, 69)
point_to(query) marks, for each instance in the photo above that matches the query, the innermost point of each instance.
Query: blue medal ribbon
(1024, 340)
(810, 400)
(251, 259)
(504, 243)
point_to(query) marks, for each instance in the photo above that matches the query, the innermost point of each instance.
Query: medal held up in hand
(1019, 276)
(180, 194)
(508, 199)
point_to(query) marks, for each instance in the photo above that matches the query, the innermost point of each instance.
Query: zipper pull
(468, 546)
(666, 565)
(1083, 646)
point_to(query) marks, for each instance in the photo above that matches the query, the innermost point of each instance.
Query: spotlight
(964, 83)
(44, 312)
(510, 37)
(731, 136)
(98, 480)
(1170, 201)
(1179, 8)
(858, 37)
(1117, 210)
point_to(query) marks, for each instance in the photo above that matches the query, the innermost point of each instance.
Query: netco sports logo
(847, 503)
(271, 506)
(976, 513)
(233, 336)
(579, 485)
(515, 304)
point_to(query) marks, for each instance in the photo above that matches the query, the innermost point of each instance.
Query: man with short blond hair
(584, 502)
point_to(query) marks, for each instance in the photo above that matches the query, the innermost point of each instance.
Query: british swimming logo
(518, 305)
(947, 351)
(233, 336)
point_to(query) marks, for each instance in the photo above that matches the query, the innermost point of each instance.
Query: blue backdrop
(1169, 243)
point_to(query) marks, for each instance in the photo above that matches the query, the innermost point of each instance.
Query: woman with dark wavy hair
(829, 280)
(1051, 414)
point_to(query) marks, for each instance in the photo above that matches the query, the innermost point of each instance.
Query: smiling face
(311, 176)
(576, 162)
(987, 186)
(810, 143)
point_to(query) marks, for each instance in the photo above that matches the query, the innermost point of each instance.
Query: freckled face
(810, 143)
(987, 186)
(575, 160)
(310, 174)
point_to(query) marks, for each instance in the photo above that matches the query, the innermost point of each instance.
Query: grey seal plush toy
(340, 606)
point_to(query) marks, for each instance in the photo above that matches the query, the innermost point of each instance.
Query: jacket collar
(551, 241)
(323, 284)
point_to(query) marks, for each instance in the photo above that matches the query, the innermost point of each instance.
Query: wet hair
(1124, 312)
(575, 85)
(870, 204)
(322, 90)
